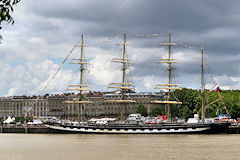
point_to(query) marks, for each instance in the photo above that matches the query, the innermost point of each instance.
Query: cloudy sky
(46, 30)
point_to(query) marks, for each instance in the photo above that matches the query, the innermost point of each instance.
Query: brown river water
(119, 147)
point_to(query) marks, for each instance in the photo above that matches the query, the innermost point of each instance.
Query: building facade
(54, 105)
(19, 106)
(145, 98)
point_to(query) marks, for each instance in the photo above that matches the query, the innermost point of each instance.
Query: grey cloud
(214, 24)
(107, 18)
(137, 15)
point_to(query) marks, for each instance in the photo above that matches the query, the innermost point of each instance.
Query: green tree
(155, 111)
(142, 110)
(191, 103)
(186, 112)
(232, 102)
(6, 7)
(1, 120)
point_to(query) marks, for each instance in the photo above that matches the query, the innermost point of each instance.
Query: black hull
(168, 128)
(218, 128)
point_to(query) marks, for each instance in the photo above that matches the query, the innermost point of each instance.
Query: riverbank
(27, 129)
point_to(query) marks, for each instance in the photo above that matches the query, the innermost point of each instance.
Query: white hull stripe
(147, 131)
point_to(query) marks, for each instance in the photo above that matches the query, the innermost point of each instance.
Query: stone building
(145, 98)
(18, 106)
(53, 105)
(99, 108)
(56, 107)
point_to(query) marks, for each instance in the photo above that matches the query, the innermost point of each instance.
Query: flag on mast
(217, 89)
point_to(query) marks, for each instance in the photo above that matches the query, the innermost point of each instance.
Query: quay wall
(27, 130)
(233, 130)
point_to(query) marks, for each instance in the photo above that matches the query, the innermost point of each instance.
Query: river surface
(119, 147)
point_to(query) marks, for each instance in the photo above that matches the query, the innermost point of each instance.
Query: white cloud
(4, 78)
(102, 71)
(33, 78)
(188, 56)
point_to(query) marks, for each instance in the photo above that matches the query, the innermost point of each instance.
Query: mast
(203, 89)
(80, 87)
(170, 72)
(123, 86)
(202, 86)
(168, 86)
(123, 74)
(81, 67)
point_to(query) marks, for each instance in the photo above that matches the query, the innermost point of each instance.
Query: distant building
(145, 98)
(53, 105)
(17, 106)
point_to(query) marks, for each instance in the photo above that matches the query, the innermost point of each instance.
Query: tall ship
(115, 126)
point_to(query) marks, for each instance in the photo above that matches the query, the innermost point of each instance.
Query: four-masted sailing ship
(137, 128)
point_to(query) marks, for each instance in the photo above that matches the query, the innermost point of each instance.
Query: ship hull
(143, 129)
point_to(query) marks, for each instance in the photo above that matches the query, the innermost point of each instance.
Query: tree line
(192, 104)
